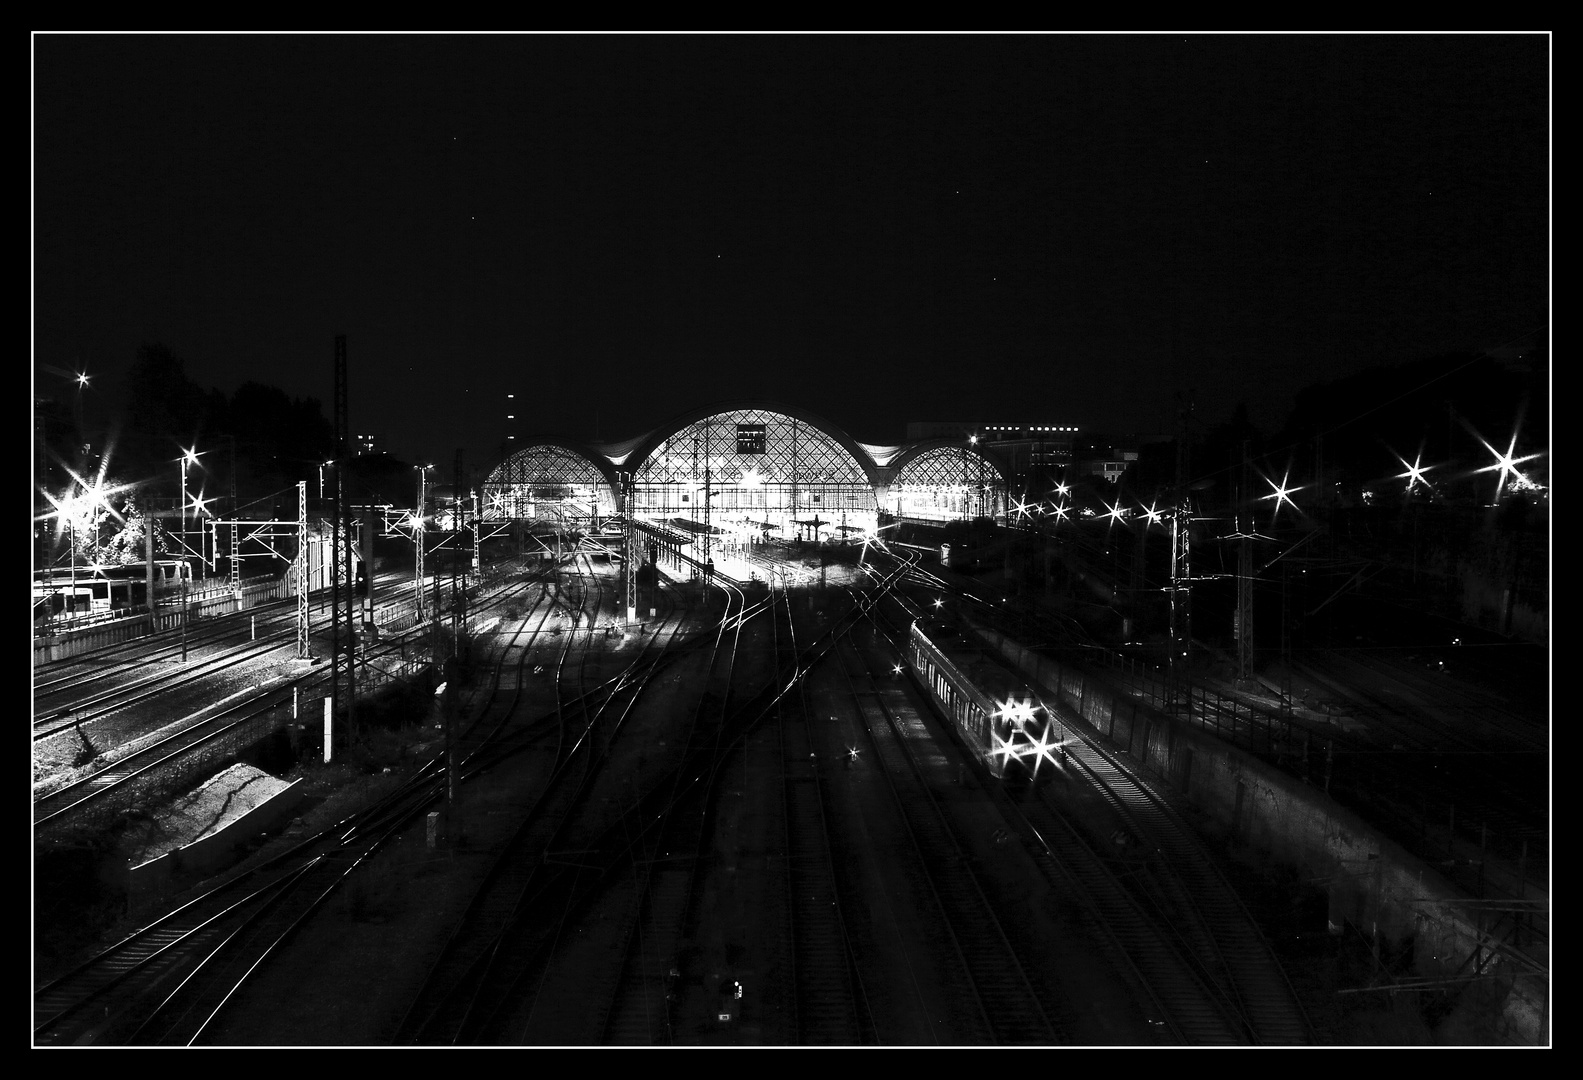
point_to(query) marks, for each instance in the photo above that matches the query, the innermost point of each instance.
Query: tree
(127, 530)
(164, 410)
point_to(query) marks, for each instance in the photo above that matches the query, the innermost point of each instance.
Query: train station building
(748, 471)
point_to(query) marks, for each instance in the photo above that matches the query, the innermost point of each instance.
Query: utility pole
(148, 568)
(184, 576)
(343, 540)
(456, 546)
(417, 543)
(434, 602)
(1244, 627)
(707, 493)
(1181, 570)
(1286, 652)
(365, 559)
(236, 557)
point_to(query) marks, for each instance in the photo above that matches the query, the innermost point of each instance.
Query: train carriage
(991, 708)
(102, 589)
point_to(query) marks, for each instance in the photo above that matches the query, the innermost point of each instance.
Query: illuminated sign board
(750, 438)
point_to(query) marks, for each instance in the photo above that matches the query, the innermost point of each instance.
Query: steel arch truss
(754, 471)
(549, 482)
(947, 483)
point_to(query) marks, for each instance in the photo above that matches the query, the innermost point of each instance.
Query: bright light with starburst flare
(1115, 513)
(1020, 713)
(1002, 748)
(1044, 748)
(1282, 493)
(1152, 514)
(1415, 472)
(82, 507)
(1505, 464)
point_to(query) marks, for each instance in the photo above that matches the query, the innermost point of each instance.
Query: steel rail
(1006, 1001)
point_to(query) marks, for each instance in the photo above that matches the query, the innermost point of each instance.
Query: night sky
(1055, 229)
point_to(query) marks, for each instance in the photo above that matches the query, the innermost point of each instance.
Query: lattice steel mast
(630, 542)
(302, 570)
(343, 540)
(417, 545)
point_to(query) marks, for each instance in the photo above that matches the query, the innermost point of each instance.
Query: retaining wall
(1263, 813)
(167, 617)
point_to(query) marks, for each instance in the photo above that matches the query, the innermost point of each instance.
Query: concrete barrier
(215, 850)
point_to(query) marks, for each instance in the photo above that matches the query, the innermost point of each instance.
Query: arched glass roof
(553, 462)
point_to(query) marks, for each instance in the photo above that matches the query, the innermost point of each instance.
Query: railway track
(166, 981)
(462, 1006)
(831, 1005)
(210, 965)
(86, 710)
(1176, 999)
(641, 922)
(639, 1009)
(1198, 903)
(483, 959)
(1009, 1008)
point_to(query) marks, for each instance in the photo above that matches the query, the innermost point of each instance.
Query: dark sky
(1056, 229)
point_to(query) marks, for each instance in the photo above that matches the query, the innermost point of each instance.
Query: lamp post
(71, 544)
(82, 384)
(189, 457)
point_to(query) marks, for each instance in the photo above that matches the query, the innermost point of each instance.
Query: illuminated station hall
(711, 484)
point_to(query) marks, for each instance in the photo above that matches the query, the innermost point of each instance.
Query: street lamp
(189, 457)
(82, 384)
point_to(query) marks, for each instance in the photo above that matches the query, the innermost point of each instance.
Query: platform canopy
(743, 471)
(944, 480)
(751, 471)
(552, 479)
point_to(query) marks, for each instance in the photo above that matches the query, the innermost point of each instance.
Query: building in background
(1034, 456)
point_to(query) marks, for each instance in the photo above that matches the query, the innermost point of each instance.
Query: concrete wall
(1263, 813)
(216, 850)
(199, 605)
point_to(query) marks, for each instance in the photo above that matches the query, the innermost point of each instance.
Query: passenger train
(100, 589)
(992, 709)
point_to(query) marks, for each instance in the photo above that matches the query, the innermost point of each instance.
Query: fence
(200, 604)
